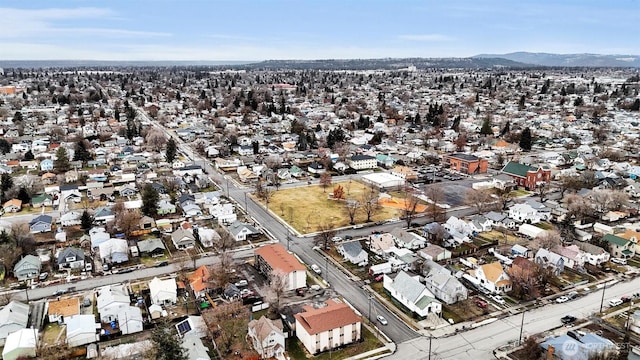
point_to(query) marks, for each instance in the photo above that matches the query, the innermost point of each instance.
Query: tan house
(61, 309)
(491, 277)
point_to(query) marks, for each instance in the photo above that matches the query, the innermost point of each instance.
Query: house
(41, 200)
(183, 239)
(40, 224)
(434, 232)
(60, 310)
(362, 162)
(71, 218)
(465, 163)
(408, 240)
(353, 252)
(327, 327)
(519, 250)
(593, 254)
(163, 292)
(165, 207)
(379, 243)
(405, 172)
(241, 231)
(198, 280)
(275, 257)
(13, 317)
(46, 165)
(491, 277)
(12, 206)
(578, 346)
(82, 330)
(151, 247)
(524, 213)
(27, 268)
(267, 337)
(130, 320)
(71, 258)
(620, 247)
(316, 168)
(98, 235)
(111, 300)
(480, 223)
(527, 176)
(434, 252)
(114, 251)
(195, 348)
(406, 289)
(192, 326)
(208, 237)
(443, 284)
(573, 257)
(386, 161)
(21, 344)
(548, 259)
(104, 214)
(191, 210)
(633, 236)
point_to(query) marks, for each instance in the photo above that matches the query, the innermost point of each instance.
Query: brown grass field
(306, 208)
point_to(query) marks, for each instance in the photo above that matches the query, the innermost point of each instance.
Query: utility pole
(430, 337)
(604, 286)
(521, 328)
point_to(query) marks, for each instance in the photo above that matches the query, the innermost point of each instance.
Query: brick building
(527, 176)
(465, 163)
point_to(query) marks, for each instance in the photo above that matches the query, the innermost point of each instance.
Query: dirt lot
(305, 208)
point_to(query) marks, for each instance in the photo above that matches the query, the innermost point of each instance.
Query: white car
(619, 261)
(615, 302)
(336, 239)
(562, 299)
(382, 320)
(498, 299)
(316, 269)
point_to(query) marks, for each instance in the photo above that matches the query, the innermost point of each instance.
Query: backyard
(307, 208)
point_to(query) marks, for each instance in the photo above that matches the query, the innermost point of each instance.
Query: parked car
(316, 269)
(498, 299)
(562, 299)
(161, 263)
(336, 239)
(382, 320)
(480, 303)
(568, 319)
(615, 302)
(572, 295)
(43, 276)
(619, 261)
(241, 283)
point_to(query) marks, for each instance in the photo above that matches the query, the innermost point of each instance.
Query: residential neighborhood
(298, 214)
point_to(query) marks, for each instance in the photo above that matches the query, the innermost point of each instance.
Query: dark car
(568, 319)
(162, 263)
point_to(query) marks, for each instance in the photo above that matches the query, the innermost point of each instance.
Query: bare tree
(225, 322)
(325, 181)
(504, 197)
(326, 232)
(542, 190)
(275, 289)
(351, 208)
(411, 202)
(226, 240)
(221, 275)
(435, 195)
(369, 203)
(480, 199)
(155, 139)
(126, 220)
(578, 207)
(549, 240)
(526, 284)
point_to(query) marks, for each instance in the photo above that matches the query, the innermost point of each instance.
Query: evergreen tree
(86, 221)
(486, 127)
(5, 147)
(28, 155)
(6, 183)
(526, 140)
(17, 117)
(150, 198)
(166, 344)
(24, 196)
(506, 128)
(81, 152)
(61, 163)
(171, 150)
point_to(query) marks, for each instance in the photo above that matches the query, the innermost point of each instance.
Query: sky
(244, 30)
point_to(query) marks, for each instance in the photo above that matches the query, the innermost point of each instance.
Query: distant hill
(383, 64)
(106, 63)
(570, 60)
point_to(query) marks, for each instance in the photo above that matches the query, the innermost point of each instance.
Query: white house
(111, 300)
(491, 277)
(353, 252)
(163, 291)
(183, 239)
(13, 317)
(20, 344)
(240, 231)
(328, 327)
(524, 213)
(82, 330)
(114, 251)
(362, 162)
(71, 218)
(130, 320)
(412, 294)
(443, 284)
(379, 243)
(267, 337)
(225, 213)
(408, 240)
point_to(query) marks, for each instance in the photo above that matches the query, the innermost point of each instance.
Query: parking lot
(453, 186)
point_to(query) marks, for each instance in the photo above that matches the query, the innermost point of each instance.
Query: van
(615, 302)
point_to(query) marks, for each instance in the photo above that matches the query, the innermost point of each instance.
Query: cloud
(43, 23)
(425, 37)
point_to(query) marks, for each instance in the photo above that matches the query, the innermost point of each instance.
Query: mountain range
(567, 60)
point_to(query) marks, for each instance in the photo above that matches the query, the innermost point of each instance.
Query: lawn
(498, 235)
(306, 208)
(519, 192)
(52, 334)
(296, 350)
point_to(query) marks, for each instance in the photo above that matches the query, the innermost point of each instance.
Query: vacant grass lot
(306, 208)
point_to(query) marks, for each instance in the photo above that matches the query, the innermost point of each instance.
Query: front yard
(296, 350)
(306, 208)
